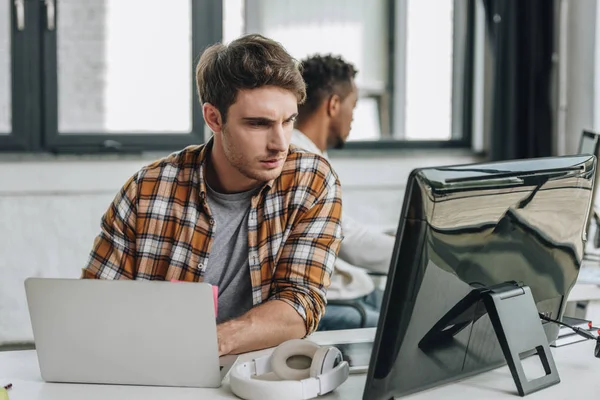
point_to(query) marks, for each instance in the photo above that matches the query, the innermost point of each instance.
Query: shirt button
(201, 266)
(212, 221)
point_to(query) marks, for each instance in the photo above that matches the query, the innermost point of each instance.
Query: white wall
(50, 212)
(581, 70)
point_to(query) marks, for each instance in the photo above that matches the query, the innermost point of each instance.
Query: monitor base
(516, 322)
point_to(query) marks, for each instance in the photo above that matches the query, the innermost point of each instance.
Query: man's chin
(263, 175)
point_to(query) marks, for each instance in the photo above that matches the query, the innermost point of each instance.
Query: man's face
(257, 134)
(342, 122)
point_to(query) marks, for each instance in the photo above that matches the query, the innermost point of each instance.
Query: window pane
(366, 124)
(354, 29)
(233, 19)
(429, 34)
(124, 66)
(5, 81)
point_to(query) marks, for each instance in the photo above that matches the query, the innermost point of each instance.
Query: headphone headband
(245, 382)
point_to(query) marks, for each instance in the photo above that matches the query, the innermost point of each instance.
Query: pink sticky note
(215, 296)
(216, 299)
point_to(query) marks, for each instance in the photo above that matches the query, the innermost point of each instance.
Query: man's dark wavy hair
(324, 76)
(249, 62)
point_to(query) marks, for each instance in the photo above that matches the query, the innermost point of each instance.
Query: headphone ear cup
(289, 349)
(324, 360)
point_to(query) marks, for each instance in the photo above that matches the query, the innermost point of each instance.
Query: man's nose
(279, 140)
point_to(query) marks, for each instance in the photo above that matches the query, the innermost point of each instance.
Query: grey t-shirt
(228, 266)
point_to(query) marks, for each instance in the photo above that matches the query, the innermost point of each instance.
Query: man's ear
(333, 105)
(212, 117)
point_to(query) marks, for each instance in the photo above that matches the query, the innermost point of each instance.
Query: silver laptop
(126, 332)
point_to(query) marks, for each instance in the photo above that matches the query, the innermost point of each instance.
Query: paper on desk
(215, 300)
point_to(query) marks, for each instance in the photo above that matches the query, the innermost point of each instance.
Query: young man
(245, 211)
(324, 122)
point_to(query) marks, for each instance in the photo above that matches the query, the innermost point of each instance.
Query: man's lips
(272, 162)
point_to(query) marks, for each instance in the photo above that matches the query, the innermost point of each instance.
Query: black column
(521, 34)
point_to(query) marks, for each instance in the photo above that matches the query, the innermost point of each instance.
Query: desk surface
(576, 364)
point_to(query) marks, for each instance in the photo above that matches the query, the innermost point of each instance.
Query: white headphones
(327, 371)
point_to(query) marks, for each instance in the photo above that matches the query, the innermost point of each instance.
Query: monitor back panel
(466, 227)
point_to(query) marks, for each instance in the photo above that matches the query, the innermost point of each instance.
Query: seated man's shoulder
(176, 166)
(306, 178)
(309, 168)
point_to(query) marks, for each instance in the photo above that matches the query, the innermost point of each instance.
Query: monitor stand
(517, 324)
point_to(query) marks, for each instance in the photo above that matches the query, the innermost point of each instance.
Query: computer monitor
(589, 143)
(471, 226)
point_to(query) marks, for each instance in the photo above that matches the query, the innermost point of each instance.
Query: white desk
(22, 370)
(576, 364)
(585, 293)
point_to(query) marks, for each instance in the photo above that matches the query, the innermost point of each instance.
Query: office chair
(353, 303)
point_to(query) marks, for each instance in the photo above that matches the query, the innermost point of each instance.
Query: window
(412, 58)
(116, 75)
(428, 64)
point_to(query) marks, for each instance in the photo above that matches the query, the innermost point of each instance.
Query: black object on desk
(514, 316)
(466, 229)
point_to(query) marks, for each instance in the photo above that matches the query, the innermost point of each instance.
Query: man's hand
(267, 325)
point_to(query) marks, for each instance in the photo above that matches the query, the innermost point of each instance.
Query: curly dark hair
(249, 62)
(324, 76)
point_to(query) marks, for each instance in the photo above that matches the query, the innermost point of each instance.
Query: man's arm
(264, 326)
(113, 252)
(300, 280)
(366, 247)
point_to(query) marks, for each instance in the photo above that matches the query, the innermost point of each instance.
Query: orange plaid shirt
(159, 227)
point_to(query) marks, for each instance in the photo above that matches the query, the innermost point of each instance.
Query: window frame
(462, 82)
(35, 102)
(35, 109)
(24, 81)
(391, 98)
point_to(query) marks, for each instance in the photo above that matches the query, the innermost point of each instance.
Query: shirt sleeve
(365, 246)
(113, 254)
(303, 273)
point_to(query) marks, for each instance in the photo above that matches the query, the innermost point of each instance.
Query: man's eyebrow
(258, 119)
(265, 120)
